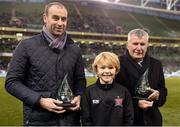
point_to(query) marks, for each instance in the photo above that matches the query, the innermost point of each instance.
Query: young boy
(106, 102)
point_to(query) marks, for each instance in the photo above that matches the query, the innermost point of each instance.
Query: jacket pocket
(42, 117)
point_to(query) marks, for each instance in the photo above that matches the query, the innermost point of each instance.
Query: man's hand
(154, 95)
(145, 104)
(51, 105)
(76, 102)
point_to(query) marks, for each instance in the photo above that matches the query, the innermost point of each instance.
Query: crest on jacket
(118, 101)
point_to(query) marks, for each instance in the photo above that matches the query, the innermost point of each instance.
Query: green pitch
(11, 108)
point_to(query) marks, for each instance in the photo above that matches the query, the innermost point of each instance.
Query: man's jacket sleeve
(16, 76)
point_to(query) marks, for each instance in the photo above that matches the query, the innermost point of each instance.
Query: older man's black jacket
(130, 73)
(37, 70)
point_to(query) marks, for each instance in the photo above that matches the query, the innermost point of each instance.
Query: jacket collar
(133, 67)
(104, 86)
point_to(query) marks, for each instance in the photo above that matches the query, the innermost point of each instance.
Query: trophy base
(142, 98)
(66, 104)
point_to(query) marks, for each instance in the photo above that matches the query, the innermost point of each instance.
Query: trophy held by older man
(142, 90)
(65, 93)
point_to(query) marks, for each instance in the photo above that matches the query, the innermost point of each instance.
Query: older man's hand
(143, 104)
(154, 95)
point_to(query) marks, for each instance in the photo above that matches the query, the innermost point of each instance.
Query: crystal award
(142, 90)
(65, 93)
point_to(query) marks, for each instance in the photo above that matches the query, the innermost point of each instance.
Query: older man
(38, 68)
(136, 65)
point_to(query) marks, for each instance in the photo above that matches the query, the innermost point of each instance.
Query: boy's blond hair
(109, 58)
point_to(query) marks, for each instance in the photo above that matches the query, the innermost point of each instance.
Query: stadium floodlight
(163, 45)
(150, 44)
(175, 45)
(104, 0)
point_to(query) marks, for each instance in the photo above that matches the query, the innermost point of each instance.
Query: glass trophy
(142, 90)
(65, 93)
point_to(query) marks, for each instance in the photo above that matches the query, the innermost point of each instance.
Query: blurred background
(96, 26)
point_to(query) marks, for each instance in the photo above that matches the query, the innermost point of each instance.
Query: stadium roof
(143, 5)
(170, 4)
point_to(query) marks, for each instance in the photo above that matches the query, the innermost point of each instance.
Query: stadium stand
(95, 27)
(89, 17)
